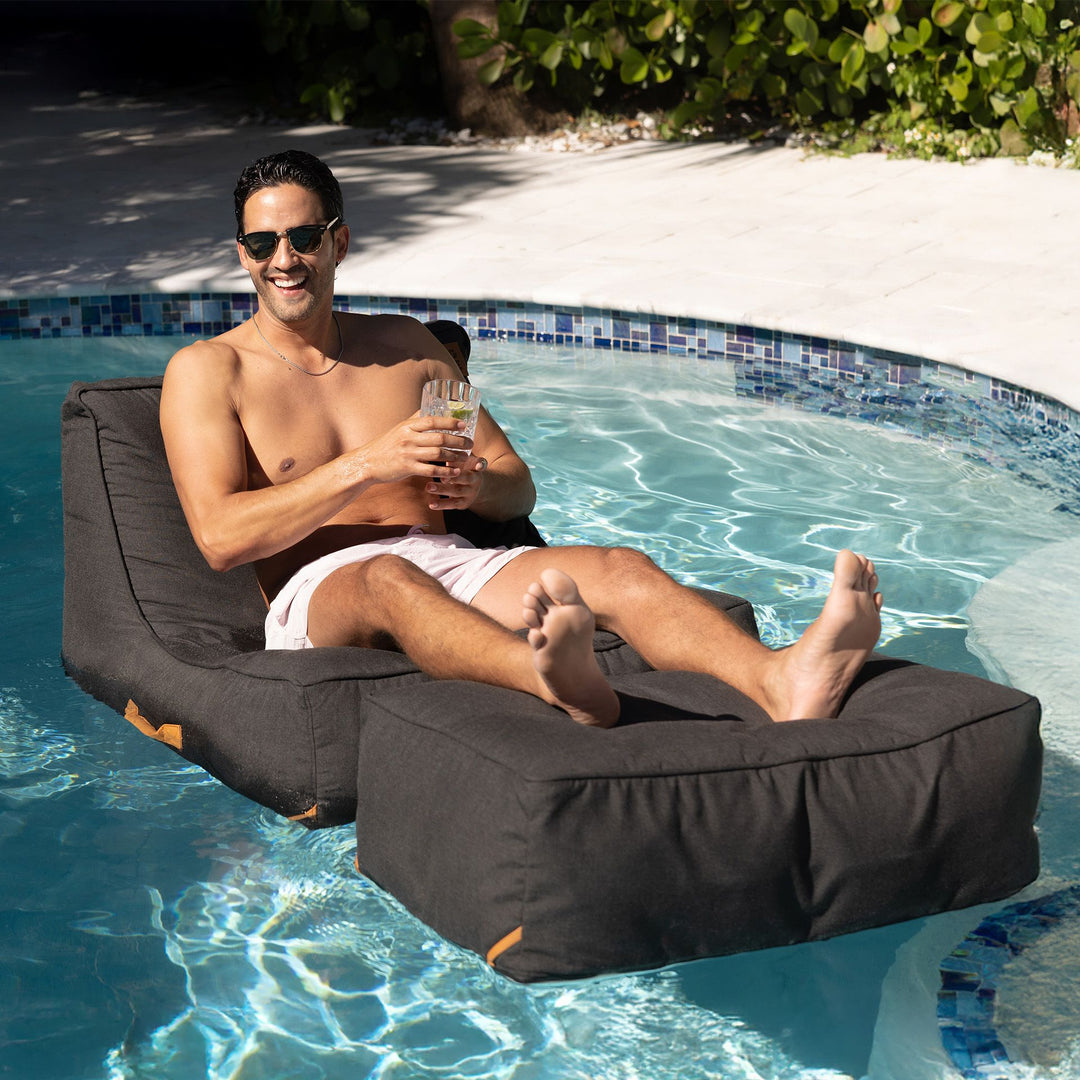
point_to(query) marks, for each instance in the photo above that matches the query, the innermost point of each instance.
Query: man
(296, 443)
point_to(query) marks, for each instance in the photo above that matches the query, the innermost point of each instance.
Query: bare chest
(294, 422)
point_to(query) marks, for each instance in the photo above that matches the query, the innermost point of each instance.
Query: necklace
(313, 374)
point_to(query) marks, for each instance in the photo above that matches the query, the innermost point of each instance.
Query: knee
(628, 569)
(389, 572)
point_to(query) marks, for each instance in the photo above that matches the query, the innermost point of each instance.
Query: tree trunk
(500, 110)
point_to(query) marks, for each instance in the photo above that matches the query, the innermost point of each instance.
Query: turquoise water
(155, 924)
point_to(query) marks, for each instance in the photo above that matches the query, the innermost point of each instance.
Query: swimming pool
(159, 925)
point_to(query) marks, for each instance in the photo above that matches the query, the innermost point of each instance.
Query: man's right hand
(421, 446)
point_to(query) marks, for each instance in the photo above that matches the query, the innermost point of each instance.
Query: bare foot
(811, 677)
(560, 634)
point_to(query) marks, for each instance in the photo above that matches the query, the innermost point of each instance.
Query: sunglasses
(303, 239)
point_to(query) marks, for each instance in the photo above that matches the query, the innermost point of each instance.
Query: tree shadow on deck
(102, 187)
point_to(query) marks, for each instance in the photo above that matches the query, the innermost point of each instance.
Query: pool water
(155, 924)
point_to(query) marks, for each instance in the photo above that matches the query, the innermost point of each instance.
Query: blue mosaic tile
(969, 976)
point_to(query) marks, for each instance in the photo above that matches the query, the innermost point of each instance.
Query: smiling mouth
(288, 284)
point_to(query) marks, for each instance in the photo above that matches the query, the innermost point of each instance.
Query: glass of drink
(450, 397)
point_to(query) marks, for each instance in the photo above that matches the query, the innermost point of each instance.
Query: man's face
(291, 287)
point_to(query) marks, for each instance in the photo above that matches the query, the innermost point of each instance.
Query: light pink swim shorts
(457, 565)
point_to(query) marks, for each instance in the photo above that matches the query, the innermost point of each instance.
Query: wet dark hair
(289, 167)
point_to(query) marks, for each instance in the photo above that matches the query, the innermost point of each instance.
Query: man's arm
(494, 482)
(207, 454)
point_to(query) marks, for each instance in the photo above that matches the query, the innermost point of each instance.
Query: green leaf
(980, 23)
(802, 27)
(852, 65)
(685, 114)
(990, 42)
(510, 15)
(552, 56)
(796, 21)
(615, 40)
(604, 57)
(839, 102)
(1013, 141)
(1026, 107)
(775, 86)
(474, 46)
(335, 105)
(946, 12)
(839, 48)
(876, 37)
(718, 39)
(1072, 86)
(957, 88)
(356, 16)
(634, 68)
(523, 80)
(469, 28)
(661, 70)
(1015, 66)
(490, 72)
(656, 28)
(1000, 105)
(812, 75)
(537, 41)
(809, 101)
(926, 29)
(1035, 17)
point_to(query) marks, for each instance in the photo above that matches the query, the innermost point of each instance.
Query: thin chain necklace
(313, 374)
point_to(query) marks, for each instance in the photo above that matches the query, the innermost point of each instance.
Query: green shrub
(349, 59)
(959, 77)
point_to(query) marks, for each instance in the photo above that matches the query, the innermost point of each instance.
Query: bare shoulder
(207, 370)
(400, 330)
(398, 339)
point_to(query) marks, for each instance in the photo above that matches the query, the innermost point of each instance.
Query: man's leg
(674, 628)
(387, 602)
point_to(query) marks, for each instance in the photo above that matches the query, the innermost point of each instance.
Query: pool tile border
(775, 364)
(971, 975)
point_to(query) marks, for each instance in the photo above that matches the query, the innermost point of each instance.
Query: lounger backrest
(129, 555)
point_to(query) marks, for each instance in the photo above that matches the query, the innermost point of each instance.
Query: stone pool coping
(966, 265)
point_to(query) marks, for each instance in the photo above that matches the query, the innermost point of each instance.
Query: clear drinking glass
(450, 397)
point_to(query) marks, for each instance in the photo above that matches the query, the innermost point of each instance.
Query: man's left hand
(461, 491)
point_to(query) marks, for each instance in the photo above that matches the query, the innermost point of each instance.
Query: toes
(534, 605)
(560, 587)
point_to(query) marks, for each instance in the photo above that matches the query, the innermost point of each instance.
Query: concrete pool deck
(972, 265)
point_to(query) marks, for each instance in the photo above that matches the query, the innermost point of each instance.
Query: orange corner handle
(169, 734)
(503, 944)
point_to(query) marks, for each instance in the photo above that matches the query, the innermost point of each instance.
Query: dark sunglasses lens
(260, 245)
(306, 238)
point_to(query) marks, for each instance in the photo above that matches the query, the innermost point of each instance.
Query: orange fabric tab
(503, 944)
(306, 814)
(169, 734)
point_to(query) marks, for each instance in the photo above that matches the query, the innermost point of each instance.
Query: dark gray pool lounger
(695, 828)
